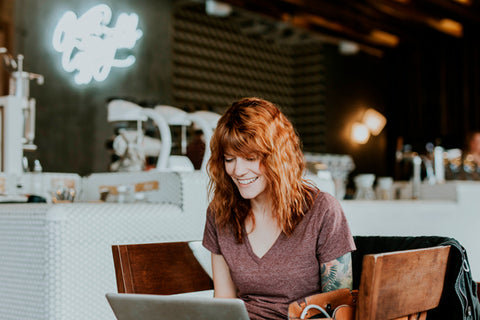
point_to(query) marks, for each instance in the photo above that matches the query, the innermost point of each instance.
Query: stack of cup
(384, 189)
(364, 185)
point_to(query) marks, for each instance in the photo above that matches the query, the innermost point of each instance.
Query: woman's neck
(262, 217)
(261, 206)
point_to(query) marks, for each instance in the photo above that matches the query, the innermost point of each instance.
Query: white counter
(459, 219)
(56, 260)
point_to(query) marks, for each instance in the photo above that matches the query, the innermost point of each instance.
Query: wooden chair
(402, 284)
(399, 285)
(158, 268)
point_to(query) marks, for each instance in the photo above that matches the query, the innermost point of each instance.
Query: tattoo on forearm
(337, 274)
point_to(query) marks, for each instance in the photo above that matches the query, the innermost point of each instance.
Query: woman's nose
(240, 167)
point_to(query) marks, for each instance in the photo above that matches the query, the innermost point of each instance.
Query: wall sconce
(360, 133)
(372, 123)
(375, 121)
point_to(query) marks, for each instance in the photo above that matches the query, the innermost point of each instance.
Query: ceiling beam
(411, 14)
(378, 24)
(322, 19)
(465, 13)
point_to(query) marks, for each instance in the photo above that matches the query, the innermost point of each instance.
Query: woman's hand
(337, 274)
(222, 281)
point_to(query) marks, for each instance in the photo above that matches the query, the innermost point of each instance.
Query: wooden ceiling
(373, 25)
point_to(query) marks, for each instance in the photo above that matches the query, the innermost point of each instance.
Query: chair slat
(398, 284)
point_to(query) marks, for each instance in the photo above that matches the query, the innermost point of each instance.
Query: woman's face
(248, 175)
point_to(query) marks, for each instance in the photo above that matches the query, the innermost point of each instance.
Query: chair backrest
(158, 268)
(398, 284)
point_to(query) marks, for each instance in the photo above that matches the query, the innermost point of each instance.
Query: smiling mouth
(247, 181)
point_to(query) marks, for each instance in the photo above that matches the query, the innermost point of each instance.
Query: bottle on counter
(364, 185)
(438, 161)
(36, 183)
(384, 190)
(25, 164)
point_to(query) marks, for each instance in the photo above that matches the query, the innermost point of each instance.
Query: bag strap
(344, 312)
(313, 306)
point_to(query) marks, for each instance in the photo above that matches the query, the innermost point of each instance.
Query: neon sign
(90, 47)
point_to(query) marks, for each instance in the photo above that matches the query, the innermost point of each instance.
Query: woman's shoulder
(210, 214)
(324, 202)
(322, 198)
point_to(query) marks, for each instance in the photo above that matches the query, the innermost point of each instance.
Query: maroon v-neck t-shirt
(290, 269)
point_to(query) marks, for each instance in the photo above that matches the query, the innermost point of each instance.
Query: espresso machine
(130, 144)
(17, 111)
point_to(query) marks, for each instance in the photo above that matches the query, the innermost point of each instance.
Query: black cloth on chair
(459, 298)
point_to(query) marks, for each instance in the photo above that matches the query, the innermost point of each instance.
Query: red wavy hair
(252, 126)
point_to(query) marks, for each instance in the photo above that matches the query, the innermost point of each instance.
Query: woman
(473, 146)
(274, 237)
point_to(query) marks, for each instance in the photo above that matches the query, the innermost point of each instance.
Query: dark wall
(354, 84)
(72, 119)
(433, 94)
(427, 88)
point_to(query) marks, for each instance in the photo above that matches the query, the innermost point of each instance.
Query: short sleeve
(335, 238)
(210, 238)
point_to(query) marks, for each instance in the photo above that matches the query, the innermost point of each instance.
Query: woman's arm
(337, 274)
(222, 281)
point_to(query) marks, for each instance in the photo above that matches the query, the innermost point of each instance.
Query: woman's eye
(228, 159)
(252, 158)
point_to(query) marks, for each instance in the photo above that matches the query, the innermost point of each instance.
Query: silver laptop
(175, 307)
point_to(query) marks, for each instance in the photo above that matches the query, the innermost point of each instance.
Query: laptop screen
(178, 307)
